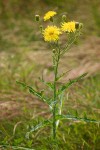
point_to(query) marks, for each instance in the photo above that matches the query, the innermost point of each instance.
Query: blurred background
(20, 37)
(24, 56)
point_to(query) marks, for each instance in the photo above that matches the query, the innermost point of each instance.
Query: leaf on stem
(34, 92)
(71, 82)
(75, 118)
(40, 125)
(49, 84)
(63, 74)
(15, 147)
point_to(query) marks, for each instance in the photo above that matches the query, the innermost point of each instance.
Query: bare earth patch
(9, 109)
(15, 104)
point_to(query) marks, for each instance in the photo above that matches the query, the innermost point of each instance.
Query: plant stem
(56, 63)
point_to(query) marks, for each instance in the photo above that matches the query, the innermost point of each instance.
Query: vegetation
(21, 52)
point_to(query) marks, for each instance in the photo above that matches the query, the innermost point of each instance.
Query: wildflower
(51, 33)
(68, 26)
(49, 15)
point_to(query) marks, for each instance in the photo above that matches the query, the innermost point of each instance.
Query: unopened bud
(81, 25)
(53, 50)
(37, 18)
(78, 25)
(51, 19)
(64, 18)
(41, 28)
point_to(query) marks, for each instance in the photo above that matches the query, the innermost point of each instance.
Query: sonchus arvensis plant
(52, 34)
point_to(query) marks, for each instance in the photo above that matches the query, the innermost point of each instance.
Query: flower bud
(37, 18)
(53, 50)
(64, 18)
(81, 25)
(41, 28)
(51, 19)
(78, 25)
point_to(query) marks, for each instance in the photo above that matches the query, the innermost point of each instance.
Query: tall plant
(52, 34)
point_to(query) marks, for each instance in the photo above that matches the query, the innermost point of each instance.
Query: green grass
(71, 135)
(18, 43)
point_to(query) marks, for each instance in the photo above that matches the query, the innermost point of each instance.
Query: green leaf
(49, 84)
(15, 147)
(34, 92)
(70, 83)
(53, 103)
(40, 125)
(75, 118)
(21, 83)
(63, 74)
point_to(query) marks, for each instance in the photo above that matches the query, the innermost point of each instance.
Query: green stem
(68, 46)
(56, 63)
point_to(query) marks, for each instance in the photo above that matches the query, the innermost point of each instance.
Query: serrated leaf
(21, 83)
(40, 125)
(71, 82)
(15, 147)
(34, 92)
(63, 74)
(49, 84)
(70, 117)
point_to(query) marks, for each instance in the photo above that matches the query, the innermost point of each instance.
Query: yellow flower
(68, 26)
(51, 33)
(49, 14)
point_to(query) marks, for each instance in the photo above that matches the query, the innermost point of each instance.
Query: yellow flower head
(49, 14)
(68, 26)
(51, 33)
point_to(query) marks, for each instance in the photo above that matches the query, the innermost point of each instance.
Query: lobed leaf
(75, 118)
(15, 147)
(34, 92)
(63, 74)
(40, 125)
(70, 83)
(49, 84)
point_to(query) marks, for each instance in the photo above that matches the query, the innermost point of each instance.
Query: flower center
(51, 33)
